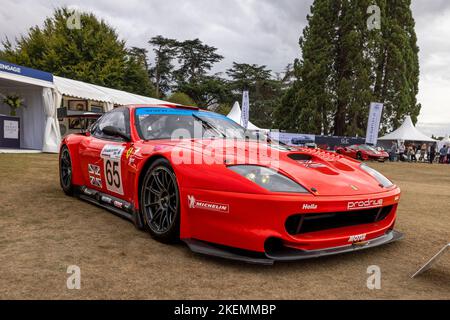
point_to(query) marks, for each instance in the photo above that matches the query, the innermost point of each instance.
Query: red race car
(363, 153)
(183, 173)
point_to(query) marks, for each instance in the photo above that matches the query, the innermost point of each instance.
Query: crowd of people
(427, 152)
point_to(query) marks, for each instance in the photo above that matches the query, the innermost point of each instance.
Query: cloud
(253, 31)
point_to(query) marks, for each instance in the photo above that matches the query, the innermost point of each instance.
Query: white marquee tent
(83, 90)
(444, 142)
(43, 93)
(235, 115)
(407, 132)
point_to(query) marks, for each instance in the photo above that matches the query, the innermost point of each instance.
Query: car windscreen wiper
(208, 125)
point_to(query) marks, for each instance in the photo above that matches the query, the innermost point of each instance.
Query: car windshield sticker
(111, 155)
(180, 112)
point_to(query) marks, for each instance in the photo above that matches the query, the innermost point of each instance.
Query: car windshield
(367, 148)
(169, 123)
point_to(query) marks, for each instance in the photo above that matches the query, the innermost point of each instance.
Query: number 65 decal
(112, 170)
(112, 155)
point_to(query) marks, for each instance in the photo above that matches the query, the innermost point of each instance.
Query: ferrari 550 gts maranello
(363, 153)
(183, 173)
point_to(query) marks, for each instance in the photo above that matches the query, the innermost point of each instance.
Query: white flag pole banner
(245, 109)
(373, 125)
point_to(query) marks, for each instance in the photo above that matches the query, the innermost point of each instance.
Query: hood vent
(300, 157)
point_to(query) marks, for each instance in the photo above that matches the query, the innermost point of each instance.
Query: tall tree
(207, 91)
(396, 63)
(165, 50)
(92, 53)
(345, 66)
(263, 89)
(136, 77)
(195, 59)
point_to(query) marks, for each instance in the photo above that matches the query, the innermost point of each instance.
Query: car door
(352, 151)
(103, 156)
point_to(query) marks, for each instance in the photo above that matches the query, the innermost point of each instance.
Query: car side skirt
(115, 205)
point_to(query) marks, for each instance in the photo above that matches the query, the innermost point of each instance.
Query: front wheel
(160, 202)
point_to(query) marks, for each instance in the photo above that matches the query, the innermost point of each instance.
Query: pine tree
(397, 64)
(263, 89)
(165, 50)
(307, 106)
(345, 66)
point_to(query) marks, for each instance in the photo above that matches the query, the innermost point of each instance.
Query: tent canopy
(43, 93)
(444, 142)
(235, 115)
(94, 92)
(407, 132)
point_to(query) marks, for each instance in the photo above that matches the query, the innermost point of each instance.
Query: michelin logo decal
(205, 205)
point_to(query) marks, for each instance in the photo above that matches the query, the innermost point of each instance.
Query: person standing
(443, 154)
(448, 155)
(423, 151)
(432, 153)
(401, 151)
(393, 151)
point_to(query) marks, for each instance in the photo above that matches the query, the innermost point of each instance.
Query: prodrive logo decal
(355, 205)
(206, 205)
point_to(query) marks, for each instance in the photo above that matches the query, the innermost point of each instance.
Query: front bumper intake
(285, 253)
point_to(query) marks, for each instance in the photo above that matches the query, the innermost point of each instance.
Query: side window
(118, 118)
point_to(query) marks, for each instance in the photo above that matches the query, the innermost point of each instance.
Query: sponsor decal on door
(112, 155)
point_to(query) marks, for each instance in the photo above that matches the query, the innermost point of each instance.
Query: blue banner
(180, 112)
(26, 72)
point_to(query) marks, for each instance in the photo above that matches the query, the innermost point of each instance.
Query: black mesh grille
(300, 157)
(305, 223)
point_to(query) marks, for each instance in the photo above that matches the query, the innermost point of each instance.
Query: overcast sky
(251, 31)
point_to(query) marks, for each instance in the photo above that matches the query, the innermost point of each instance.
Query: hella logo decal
(310, 206)
(357, 238)
(355, 205)
(206, 205)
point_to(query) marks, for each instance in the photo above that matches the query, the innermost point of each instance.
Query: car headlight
(385, 182)
(268, 179)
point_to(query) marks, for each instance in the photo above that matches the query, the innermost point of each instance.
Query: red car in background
(306, 203)
(363, 153)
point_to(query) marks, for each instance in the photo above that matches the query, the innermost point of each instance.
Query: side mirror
(115, 132)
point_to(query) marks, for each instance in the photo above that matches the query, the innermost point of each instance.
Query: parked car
(301, 140)
(308, 203)
(363, 152)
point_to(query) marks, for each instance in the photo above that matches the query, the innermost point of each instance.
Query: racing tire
(159, 202)
(65, 171)
(359, 156)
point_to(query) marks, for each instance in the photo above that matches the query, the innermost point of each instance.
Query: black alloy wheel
(160, 202)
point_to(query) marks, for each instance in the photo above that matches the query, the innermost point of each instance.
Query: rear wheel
(160, 202)
(65, 171)
(359, 156)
